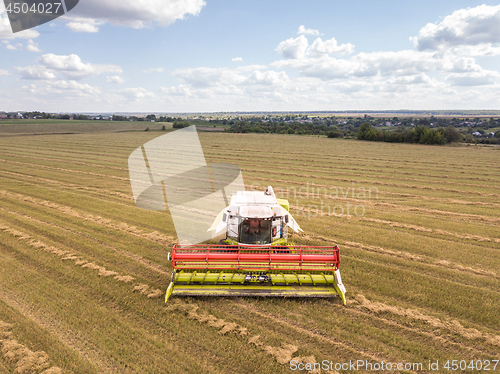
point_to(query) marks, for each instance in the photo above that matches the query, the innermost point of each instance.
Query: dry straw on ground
(449, 324)
(24, 360)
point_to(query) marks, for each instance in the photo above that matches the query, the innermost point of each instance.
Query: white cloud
(69, 66)
(330, 47)
(35, 72)
(17, 47)
(63, 89)
(298, 48)
(4, 72)
(32, 46)
(236, 59)
(137, 13)
(268, 78)
(136, 93)
(84, 25)
(246, 83)
(471, 26)
(374, 64)
(303, 30)
(476, 50)
(293, 48)
(474, 79)
(251, 67)
(115, 79)
(72, 67)
(205, 77)
(75, 87)
(181, 90)
(325, 67)
(154, 70)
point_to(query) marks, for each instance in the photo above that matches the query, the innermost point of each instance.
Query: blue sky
(216, 55)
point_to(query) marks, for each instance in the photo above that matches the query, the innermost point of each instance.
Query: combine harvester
(256, 258)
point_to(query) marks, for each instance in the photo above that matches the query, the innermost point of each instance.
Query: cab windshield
(255, 231)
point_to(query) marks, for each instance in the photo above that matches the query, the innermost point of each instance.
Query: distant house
(491, 134)
(476, 133)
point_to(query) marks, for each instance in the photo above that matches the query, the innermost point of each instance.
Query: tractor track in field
(269, 171)
(363, 166)
(79, 260)
(290, 174)
(284, 353)
(280, 320)
(437, 231)
(360, 309)
(327, 170)
(71, 150)
(349, 172)
(442, 263)
(154, 236)
(404, 208)
(394, 224)
(64, 161)
(110, 176)
(477, 217)
(281, 354)
(351, 190)
(449, 324)
(350, 195)
(287, 182)
(422, 259)
(307, 169)
(414, 330)
(422, 229)
(137, 258)
(455, 201)
(60, 330)
(70, 185)
(94, 193)
(430, 261)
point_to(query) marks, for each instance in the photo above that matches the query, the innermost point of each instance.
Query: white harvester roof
(254, 204)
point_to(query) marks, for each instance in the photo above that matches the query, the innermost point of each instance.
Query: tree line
(418, 134)
(306, 128)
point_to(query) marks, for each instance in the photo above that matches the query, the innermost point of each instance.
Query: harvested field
(85, 270)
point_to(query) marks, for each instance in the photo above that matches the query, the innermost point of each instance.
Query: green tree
(367, 132)
(180, 124)
(452, 134)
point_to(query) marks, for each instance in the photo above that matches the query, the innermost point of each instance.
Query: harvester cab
(254, 218)
(257, 257)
